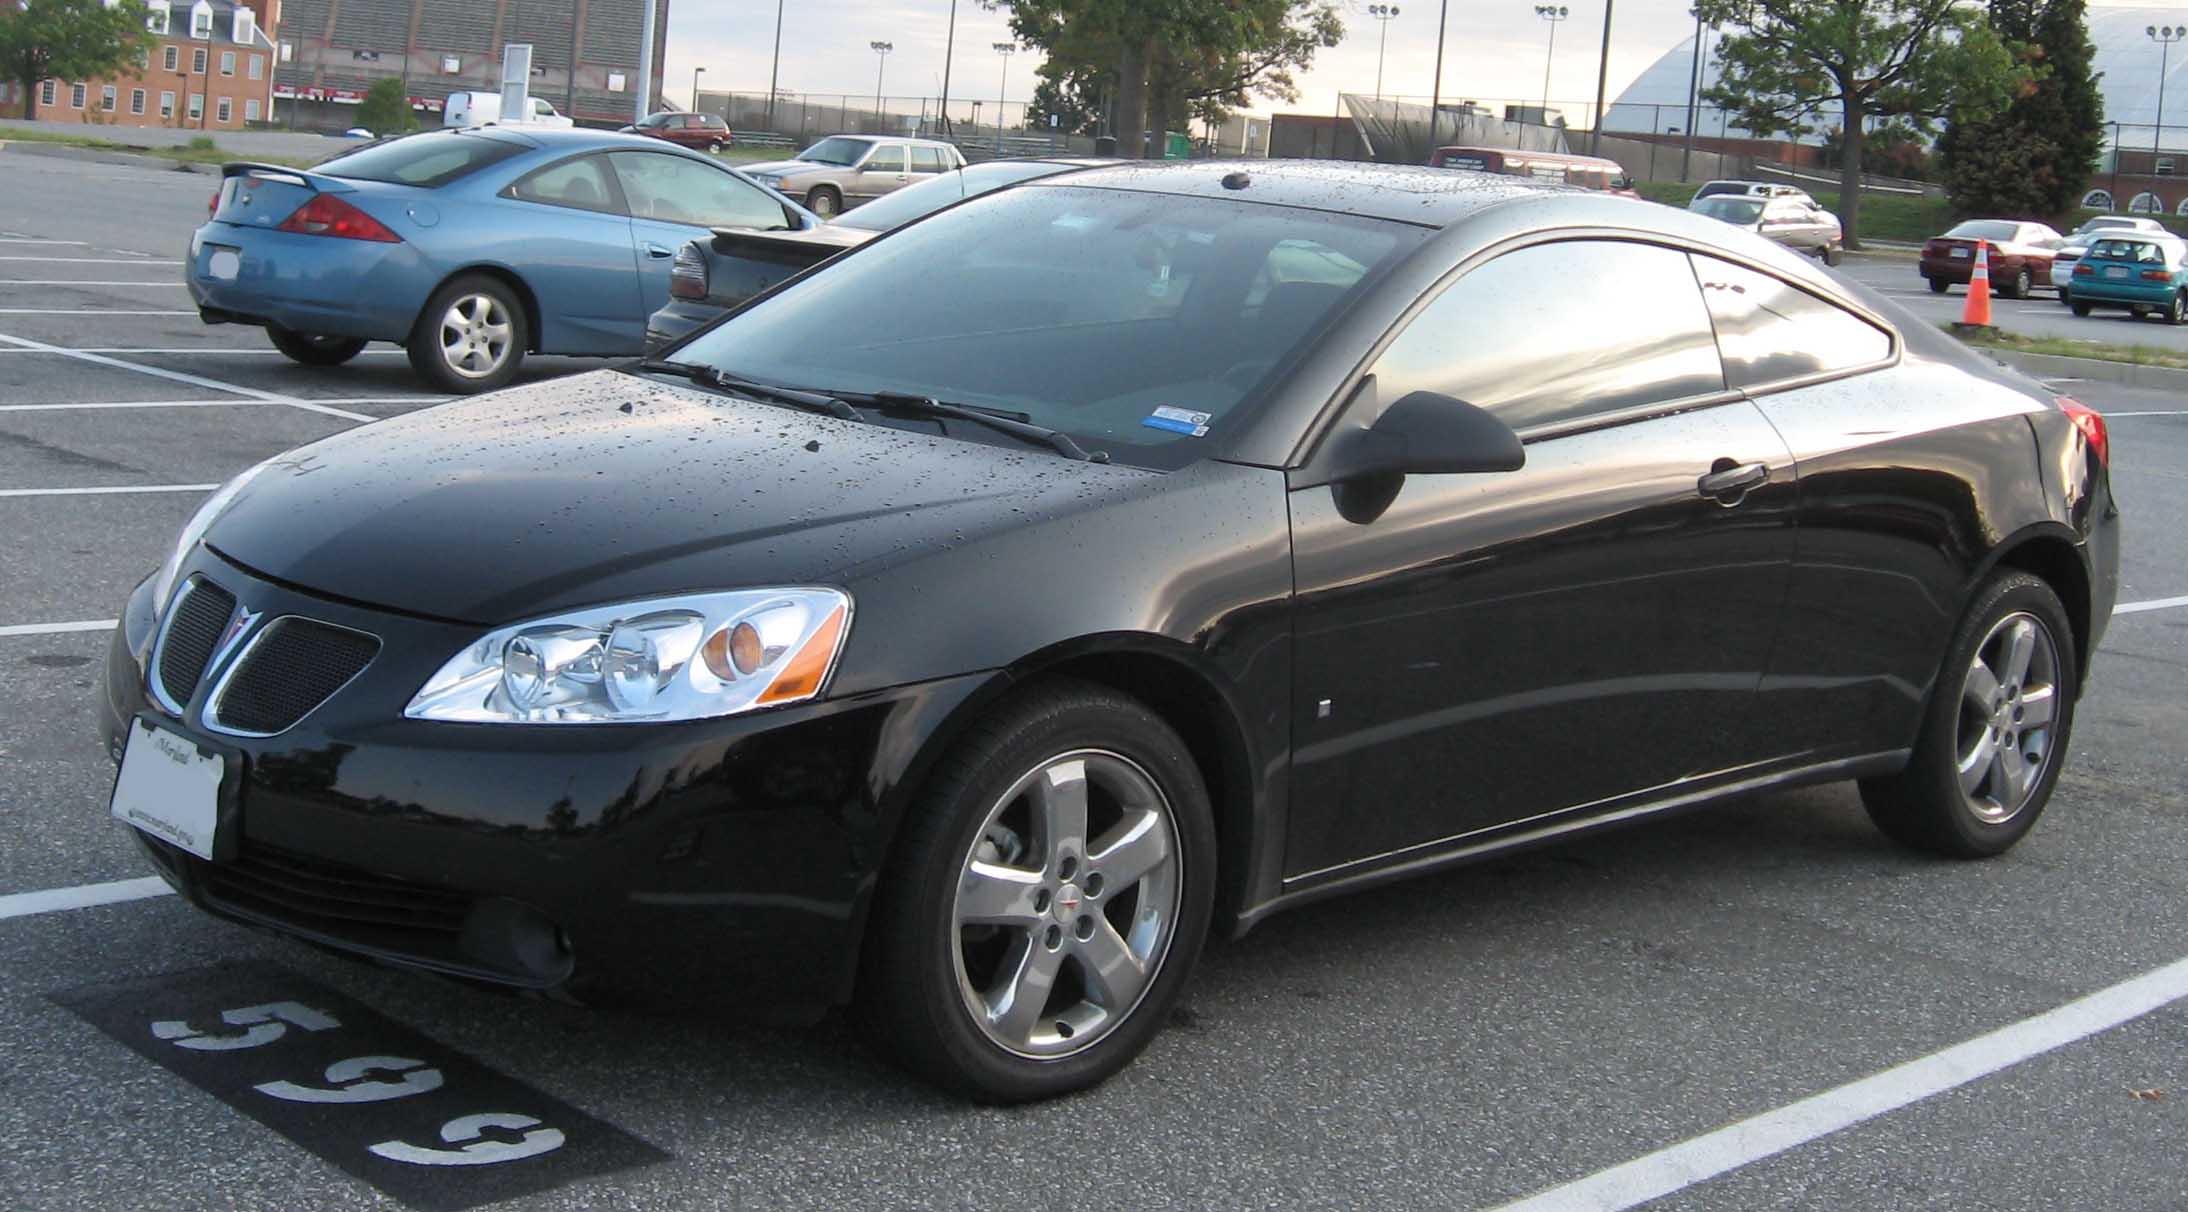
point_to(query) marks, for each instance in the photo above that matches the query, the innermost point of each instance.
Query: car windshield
(1715, 188)
(428, 160)
(1732, 208)
(836, 150)
(2141, 252)
(1144, 325)
(1984, 229)
(895, 210)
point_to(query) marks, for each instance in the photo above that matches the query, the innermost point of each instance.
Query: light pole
(695, 74)
(1435, 86)
(881, 60)
(1005, 49)
(774, 69)
(1694, 96)
(1602, 82)
(1552, 13)
(1384, 14)
(2165, 36)
(949, 53)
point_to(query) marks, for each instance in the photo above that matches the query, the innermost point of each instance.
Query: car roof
(1430, 197)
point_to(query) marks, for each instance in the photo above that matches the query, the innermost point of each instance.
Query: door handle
(1728, 483)
(657, 252)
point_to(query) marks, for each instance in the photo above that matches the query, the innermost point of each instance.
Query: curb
(63, 151)
(2095, 370)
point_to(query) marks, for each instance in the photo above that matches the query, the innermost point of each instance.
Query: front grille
(335, 901)
(195, 621)
(290, 669)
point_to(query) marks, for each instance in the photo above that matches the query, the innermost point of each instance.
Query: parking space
(1460, 1041)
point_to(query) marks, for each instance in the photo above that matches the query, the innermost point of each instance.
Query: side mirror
(1426, 433)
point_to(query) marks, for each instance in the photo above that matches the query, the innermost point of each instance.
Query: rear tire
(823, 200)
(996, 896)
(1938, 286)
(309, 350)
(2021, 285)
(1996, 732)
(471, 337)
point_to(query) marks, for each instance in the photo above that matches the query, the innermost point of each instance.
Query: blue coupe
(469, 248)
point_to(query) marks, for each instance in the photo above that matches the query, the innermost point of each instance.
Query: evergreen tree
(2033, 159)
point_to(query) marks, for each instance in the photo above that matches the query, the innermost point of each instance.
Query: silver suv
(842, 171)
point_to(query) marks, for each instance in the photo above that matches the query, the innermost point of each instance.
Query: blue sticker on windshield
(1178, 420)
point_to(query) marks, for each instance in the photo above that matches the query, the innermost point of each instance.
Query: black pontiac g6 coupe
(965, 629)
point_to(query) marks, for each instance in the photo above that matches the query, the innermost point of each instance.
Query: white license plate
(169, 788)
(1962, 252)
(224, 264)
(2115, 271)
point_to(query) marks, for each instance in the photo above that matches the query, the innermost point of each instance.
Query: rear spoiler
(776, 245)
(282, 174)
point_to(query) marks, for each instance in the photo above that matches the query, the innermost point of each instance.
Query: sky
(1492, 51)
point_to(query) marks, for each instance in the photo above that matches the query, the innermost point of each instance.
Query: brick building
(584, 53)
(210, 67)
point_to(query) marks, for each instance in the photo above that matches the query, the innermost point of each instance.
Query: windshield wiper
(708, 376)
(1016, 424)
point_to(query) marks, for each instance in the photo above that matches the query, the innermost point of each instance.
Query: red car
(701, 132)
(2020, 256)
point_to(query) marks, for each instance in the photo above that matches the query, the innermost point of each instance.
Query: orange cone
(1978, 311)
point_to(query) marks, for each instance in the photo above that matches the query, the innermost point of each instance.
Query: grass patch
(2065, 347)
(200, 150)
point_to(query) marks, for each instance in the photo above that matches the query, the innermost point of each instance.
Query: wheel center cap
(1067, 903)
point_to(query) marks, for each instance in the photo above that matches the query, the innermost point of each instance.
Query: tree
(2033, 159)
(1172, 60)
(1922, 61)
(1068, 103)
(386, 108)
(68, 40)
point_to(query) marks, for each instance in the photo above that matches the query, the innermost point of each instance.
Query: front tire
(309, 350)
(1997, 728)
(1047, 902)
(471, 337)
(714, 147)
(823, 200)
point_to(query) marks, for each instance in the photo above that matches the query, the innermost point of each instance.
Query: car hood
(607, 487)
(789, 168)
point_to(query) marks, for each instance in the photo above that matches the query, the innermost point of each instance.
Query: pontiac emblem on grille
(237, 628)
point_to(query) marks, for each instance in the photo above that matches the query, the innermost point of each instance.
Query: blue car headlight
(692, 657)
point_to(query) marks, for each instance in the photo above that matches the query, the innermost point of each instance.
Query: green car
(2147, 275)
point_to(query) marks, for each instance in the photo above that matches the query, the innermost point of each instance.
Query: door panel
(1496, 647)
(575, 244)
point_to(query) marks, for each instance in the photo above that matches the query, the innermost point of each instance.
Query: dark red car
(701, 132)
(2020, 256)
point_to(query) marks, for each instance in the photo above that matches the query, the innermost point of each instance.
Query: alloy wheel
(1066, 904)
(476, 336)
(2008, 701)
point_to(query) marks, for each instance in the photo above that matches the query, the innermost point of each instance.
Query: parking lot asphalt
(1459, 1041)
(2040, 315)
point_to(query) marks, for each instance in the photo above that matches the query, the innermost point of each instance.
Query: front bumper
(309, 284)
(726, 862)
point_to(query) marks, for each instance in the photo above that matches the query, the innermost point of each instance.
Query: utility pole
(1694, 94)
(1435, 88)
(949, 52)
(774, 70)
(1602, 82)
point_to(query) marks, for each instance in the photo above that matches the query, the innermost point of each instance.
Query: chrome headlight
(201, 521)
(682, 658)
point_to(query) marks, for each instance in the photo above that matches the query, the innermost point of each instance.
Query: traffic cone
(1977, 314)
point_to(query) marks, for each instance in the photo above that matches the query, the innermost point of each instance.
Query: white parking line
(112, 490)
(84, 896)
(1704, 1157)
(28, 240)
(84, 311)
(93, 261)
(73, 282)
(2169, 412)
(58, 628)
(180, 377)
(2154, 604)
(246, 351)
(220, 403)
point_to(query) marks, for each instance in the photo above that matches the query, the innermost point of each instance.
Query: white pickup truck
(481, 109)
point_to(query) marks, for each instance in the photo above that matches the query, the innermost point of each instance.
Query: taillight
(2157, 275)
(2091, 423)
(688, 276)
(2085, 271)
(212, 204)
(327, 215)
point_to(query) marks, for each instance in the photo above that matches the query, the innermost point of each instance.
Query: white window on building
(2097, 199)
(197, 106)
(48, 93)
(450, 65)
(201, 20)
(172, 59)
(250, 110)
(227, 63)
(2145, 203)
(617, 82)
(245, 27)
(258, 67)
(76, 96)
(167, 104)
(288, 51)
(155, 16)
(106, 98)
(224, 111)
(136, 101)
(197, 60)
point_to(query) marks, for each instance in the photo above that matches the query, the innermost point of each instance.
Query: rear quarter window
(1772, 331)
(428, 161)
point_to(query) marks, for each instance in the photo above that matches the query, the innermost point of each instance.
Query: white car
(1752, 189)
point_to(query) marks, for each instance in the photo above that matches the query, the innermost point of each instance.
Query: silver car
(1796, 222)
(842, 171)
